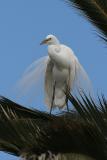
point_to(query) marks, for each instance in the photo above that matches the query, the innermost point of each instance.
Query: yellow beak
(45, 41)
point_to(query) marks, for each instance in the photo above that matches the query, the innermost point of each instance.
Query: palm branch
(95, 11)
(33, 134)
(12, 110)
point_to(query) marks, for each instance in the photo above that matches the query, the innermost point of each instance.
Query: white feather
(60, 66)
(32, 77)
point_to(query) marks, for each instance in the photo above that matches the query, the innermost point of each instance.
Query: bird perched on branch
(62, 73)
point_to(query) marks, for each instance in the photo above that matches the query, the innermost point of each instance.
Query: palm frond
(26, 133)
(12, 110)
(94, 111)
(95, 11)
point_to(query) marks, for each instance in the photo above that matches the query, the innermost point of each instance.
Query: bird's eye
(50, 39)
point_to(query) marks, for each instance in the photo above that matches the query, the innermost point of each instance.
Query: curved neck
(54, 42)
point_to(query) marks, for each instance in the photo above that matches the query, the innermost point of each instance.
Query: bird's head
(50, 40)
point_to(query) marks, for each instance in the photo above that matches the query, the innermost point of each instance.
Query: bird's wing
(33, 78)
(78, 79)
(48, 83)
(82, 83)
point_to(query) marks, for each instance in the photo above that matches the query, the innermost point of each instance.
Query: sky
(24, 23)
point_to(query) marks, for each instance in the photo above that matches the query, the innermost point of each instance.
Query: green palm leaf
(95, 11)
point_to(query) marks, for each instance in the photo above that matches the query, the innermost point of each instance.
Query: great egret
(62, 71)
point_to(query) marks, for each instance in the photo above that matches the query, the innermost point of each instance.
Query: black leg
(53, 96)
(67, 103)
(68, 90)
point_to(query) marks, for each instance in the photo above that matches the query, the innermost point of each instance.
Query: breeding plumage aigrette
(62, 73)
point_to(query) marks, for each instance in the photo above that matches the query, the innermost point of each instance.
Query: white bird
(62, 71)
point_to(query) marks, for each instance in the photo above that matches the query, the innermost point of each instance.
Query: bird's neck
(54, 42)
(54, 48)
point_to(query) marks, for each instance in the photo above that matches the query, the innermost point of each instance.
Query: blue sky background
(24, 23)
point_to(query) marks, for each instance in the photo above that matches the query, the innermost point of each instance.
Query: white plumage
(61, 68)
(59, 64)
